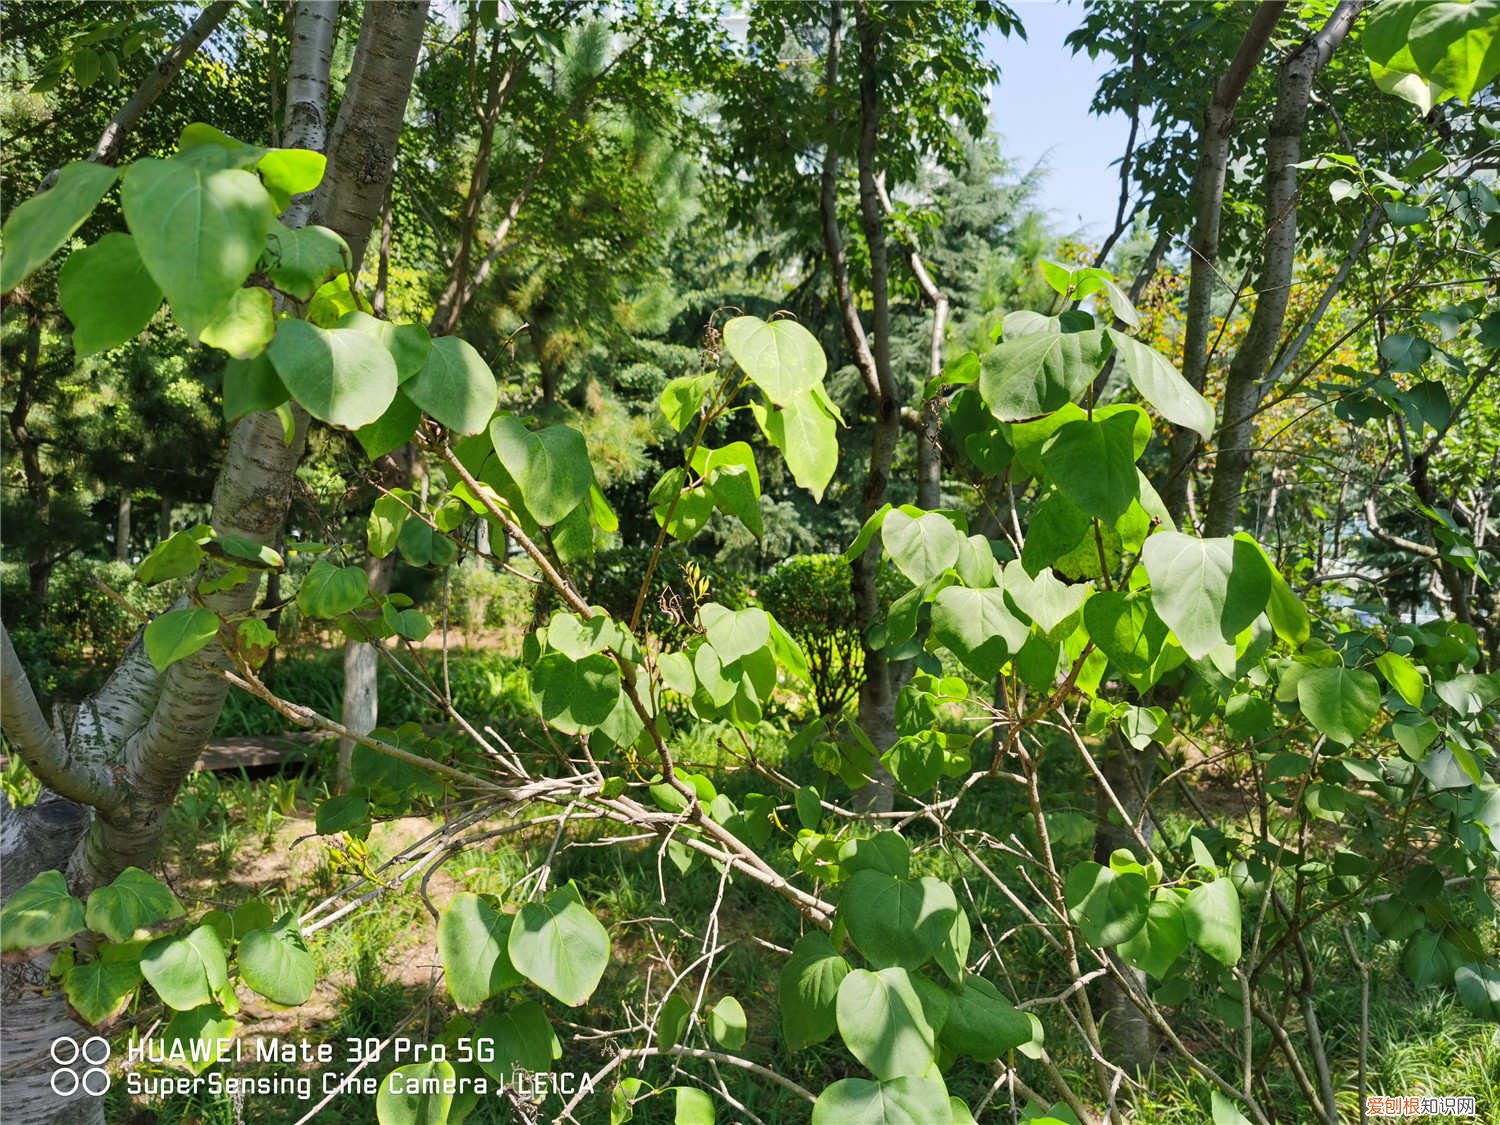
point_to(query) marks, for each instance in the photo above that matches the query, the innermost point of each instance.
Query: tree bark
(362, 149)
(383, 261)
(1208, 208)
(253, 490)
(1243, 387)
(359, 709)
(833, 239)
(876, 714)
(250, 502)
(49, 757)
(362, 152)
(1294, 348)
(314, 28)
(1128, 772)
(35, 1016)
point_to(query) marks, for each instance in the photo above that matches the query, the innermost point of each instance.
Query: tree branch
(112, 140)
(27, 733)
(925, 423)
(252, 491)
(454, 296)
(109, 718)
(314, 27)
(1458, 407)
(1400, 543)
(1122, 220)
(576, 108)
(1330, 291)
(888, 404)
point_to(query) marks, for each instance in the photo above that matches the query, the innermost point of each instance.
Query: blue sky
(1041, 111)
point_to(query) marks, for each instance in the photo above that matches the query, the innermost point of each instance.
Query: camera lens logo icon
(80, 1066)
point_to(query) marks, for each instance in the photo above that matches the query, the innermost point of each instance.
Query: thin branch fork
(501, 81)
(925, 423)
(735, 849)
(456, 302)
(1294, 349)
(724, 847)
(1122, 220)
(309, 719)
(1411, 546)
(1208, 180)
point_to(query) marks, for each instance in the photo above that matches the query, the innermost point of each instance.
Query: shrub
(83, 629)
(480, 596)
(21, 609)
(810, 596)
(98, 625)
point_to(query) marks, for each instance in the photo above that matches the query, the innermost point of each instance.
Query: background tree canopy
(600, 562)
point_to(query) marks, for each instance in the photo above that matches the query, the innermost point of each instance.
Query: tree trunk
(32, 840)
(546, 358)
(1203, 254)
(877, 694)
(877, 697)
(122, 528)
(362, 149)
(314, 28)
(1243, 387)
(383, 261)
(360, 707)
(271, 604)
(250, 501)
(1129, 1037)
(130, 746)
(877, 702)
